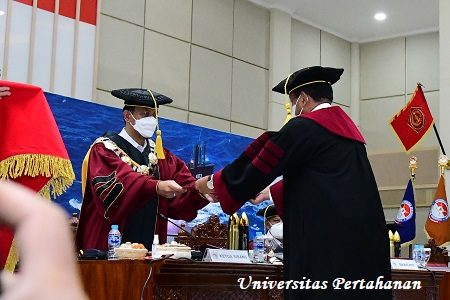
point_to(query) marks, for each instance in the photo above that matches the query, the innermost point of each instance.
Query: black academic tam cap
(308, 76)
(268, 211)
(141, 97)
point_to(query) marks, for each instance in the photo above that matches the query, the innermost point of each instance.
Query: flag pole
(412, 169)
(443, 164)
(439, 139)
(419, 84)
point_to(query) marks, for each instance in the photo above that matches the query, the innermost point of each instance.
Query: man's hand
(4, 91)
(169, 189)
(202, 187)
(48, 269)
(211, 198)
(264, 195)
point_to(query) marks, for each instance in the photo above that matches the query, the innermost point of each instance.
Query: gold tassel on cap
(159, 150)
(287, 105)
(288, 110)
(159, 146)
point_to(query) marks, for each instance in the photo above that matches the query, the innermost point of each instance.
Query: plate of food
(174, 248)
(131, 251)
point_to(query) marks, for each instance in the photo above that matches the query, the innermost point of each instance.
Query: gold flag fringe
(13, 257)
(58, 169)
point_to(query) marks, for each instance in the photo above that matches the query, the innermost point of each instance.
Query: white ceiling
(353, 20)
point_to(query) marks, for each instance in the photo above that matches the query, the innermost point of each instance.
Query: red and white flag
(51, 44)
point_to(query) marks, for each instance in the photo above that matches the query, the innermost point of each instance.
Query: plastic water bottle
(258, 248)
(114, 240)
(154, 246)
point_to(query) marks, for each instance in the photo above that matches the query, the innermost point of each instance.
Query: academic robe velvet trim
(256, 146)
(268, 158)
(334, 119)
(228, 203)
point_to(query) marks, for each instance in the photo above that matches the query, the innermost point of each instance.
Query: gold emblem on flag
(416, 119)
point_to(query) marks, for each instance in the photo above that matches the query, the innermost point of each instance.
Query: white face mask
(145, 126)
(277, 230)
(294, 107)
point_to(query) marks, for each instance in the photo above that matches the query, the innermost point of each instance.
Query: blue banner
(405, 221)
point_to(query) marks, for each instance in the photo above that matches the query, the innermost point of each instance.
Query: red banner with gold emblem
(32, 152)
(413, 121)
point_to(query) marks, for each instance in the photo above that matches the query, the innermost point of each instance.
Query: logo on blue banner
(406, 217)
(406, 212)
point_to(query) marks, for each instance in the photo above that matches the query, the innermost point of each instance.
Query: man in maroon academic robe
(127, 182)
(334, 224)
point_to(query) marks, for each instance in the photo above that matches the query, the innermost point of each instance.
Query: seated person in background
(48, 269)
(273, 226)
(129, 181)
(4, 91)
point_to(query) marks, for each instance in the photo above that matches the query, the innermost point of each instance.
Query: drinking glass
(426, 254)
(419, 255)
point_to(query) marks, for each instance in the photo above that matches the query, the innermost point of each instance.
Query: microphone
(176, 225)
(202, 246)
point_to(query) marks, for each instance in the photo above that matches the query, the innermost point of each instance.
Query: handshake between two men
(205, 186)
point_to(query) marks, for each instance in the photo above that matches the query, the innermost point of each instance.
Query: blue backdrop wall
(81, 122)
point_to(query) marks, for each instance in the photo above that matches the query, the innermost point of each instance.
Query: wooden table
(185, 279)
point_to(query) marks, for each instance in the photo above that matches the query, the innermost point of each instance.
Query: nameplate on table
(403, 264)
(228, 256)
